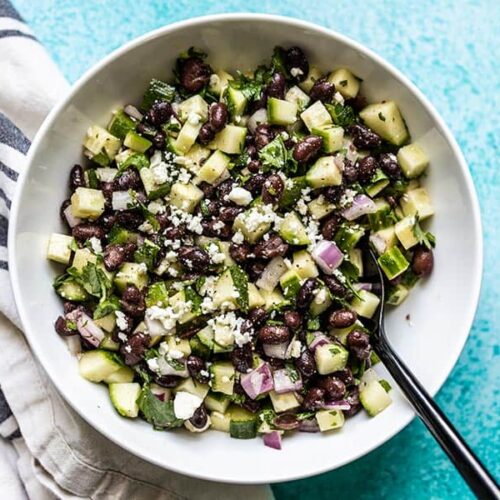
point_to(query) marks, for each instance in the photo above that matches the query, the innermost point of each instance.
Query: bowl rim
(294, 23)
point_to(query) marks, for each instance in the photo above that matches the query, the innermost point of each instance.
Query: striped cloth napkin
(46, 449)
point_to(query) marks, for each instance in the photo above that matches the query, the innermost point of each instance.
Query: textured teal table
(450, 50)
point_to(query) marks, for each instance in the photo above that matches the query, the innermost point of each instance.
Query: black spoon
(480, 481)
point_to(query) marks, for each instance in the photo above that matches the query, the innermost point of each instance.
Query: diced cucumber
(365, 304)
(356, 259)
(214, 167)
(194, 105)
(417, 202)
(347, 236)
(383, 239)
(293, 231)
(220, 421)
(199, 349)
(136, 142)
(219, 82)
(330, 358)
(251, 224)
(321, 302)
(243, 424)
(284, 402)
(316, 116)
(157, 294)
(311, 78)
(108, 324)
(293, 192)
(230, 140)
(345, 82)
(107, 342)
(273, 298)
(290, 284)
(185, 196)
(405, 231)
(224, 248)
(379, 218)
(225, 291)
(87, 203)
(216, 401)
(100, 142)
(324, 173)
(193, 387)
(186, 138)
(98, 365)
(393, 262)
(329, 419)
(124, 375)
(280, 112)
(413, 160)
(374, 398)
(157, 91)
(333, 138)
(179, 299)
(397, 294)
(131, 273)
(71, 290)
(298, 97)
(236, 101)
(121, 124)
(206, 337)
(304, 264)
(378, 183)
(341, 333)
(195, 157)
(59, 248)
(222, 376)
(320, 207)
(177, 344)
(82, 257)
(119, 235)
(105, 174)
(255, 299)
(124, 398)
(385, 119)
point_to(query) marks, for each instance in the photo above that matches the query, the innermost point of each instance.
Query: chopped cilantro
(193, 297)
(158, 413)
(147, 254)
(385, 385)
(342, 115)
(424, 238)
(240, 281)
(381, 117)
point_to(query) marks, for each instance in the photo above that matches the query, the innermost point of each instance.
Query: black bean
(214, 228)
(274, 334)
(129, 219)
(213, 207)
(350, 173)
(223, 190)
(239, 252)
(208, 189)
(389, 165)
(76, 178)
(228, 214)
(175, 232)
(276, 87)
(62, 329)
(87, 230)
(366, 169)
(217, 116)
(333, 193)
(295, 59)
(257, 316)
(132, 301)
(191, 330)
(363, 137)
(159, 113)
(193, 258)
(242, 358)
(322, 90)
(329, 227)
(306, 364)
(346, 376)
(357, 103)
(335, 286)
(159, 140)
(64, 205)
(272, 189)
(342, 318)
(423, 261)
(314, 399)
(252, 405)
(196, 366)
(307, 149)
(255, 183)
(115, 255)
(333, 387)
(254, 166)
(251, 149)
(194, 74)
(274, 246)
(206, 133)
(286, 422)
(359, 344)
(264, 134)
(129, 179)
(256, 269)
(134, 348)
(168, 381)
(292, 319)
(199, 418)
(306, 293)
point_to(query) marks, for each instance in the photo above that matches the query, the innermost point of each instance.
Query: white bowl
(442, 309)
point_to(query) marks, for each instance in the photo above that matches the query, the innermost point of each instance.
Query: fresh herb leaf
(151, 353)
(175, 364)
(137, 160)
(381, 117)
(192, 296)
(292, 194)
(238, 399)
(424, 238)
(273, 155)
(157, 91)
(292, 372)
(251, 88)
(147, 254)
(107, 306)
(278, 62)
(158, 413)
(343, 83)
(342, 115)
(157, 294)
(374, 359)
(94, 281)
(385, 384)
(306, 415)
(313, 324)
(240, 281)
(92, 178)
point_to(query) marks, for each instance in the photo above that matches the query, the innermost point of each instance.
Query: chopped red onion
(272, 274)
(309, 425)
(258, 381)
(273, 440)
(133, 112)
(361, 205)
(327, 255)
(121, 200)
(70, 218)
(166, 368)
(277, 351)
(260, 116)
(86, 327)
(363, 286)
(336, 405)
(161, 393)
(284, 383)
(318, 340)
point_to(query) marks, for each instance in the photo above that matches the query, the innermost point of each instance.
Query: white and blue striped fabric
(46, 450)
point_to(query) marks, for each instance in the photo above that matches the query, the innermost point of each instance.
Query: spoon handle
(473, 471)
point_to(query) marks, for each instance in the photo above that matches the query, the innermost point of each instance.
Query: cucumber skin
(243, 429)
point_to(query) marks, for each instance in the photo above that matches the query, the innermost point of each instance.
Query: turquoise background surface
(450, 50)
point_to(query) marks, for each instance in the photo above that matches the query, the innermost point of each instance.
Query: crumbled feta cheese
(295, 72)
(169, 315)
(185, 404)
(218, 225)
(347, 198)
(160, 173)
(121, 320)
(238, 238)
(228, 327)
(204, 373)
(156, 207)
(216, 256)
(240, 196)
(214, 80)
(194, 118)
(175, 354)
(146, 227)
(163, 348)
(338, 97)
(142, 268)
(153, 365)
(122, 337)
(295, 349)
(95, 244)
